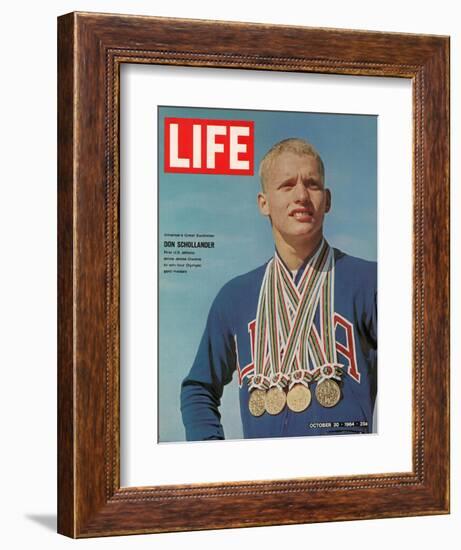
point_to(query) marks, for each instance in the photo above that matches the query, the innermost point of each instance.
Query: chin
(307, 229)
(300, 234)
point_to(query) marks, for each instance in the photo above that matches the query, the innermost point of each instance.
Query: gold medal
(256, 402)
(299, 398)
(328, 393)
(275, 400)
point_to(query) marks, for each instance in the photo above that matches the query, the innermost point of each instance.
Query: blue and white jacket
(226, 349)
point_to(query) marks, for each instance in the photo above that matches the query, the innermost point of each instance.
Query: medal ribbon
(284, 294)
(285, 333)
(260, 379)
(324, 264)
(323, 359)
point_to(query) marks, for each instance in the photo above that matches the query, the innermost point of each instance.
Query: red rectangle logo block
(204, 146)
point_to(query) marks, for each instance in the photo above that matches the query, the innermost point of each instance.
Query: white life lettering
(212, 146)
(175, 160)
(236, 148)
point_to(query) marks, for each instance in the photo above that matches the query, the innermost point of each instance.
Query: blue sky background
(226, 207)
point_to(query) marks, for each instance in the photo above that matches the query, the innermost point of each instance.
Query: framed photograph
(213, 229)
(244, 211)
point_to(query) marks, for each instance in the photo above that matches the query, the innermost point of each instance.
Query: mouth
(302, 214)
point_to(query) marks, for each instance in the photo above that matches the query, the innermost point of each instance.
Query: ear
(263, 204)
(328, 200)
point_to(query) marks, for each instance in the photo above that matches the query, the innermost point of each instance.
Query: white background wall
(28, 273)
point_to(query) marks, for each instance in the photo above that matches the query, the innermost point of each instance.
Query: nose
(301, 191)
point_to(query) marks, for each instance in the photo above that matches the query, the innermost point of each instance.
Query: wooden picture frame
(92, 47)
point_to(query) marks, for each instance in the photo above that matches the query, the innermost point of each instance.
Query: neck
(295, 253)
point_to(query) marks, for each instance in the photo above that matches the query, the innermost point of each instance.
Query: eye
(286, 185)
(315, 185)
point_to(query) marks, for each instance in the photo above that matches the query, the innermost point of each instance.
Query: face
(295, 198)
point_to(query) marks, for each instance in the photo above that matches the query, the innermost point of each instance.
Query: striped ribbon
(323, 357)
(260, 379)
(284, 319)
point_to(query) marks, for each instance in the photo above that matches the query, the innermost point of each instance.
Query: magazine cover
(267, 274)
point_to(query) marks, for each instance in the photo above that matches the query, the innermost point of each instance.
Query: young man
(300, 330)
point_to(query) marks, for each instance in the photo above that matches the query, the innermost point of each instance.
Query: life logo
(205, 146)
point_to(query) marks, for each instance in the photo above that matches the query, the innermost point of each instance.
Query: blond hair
(297, 146)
